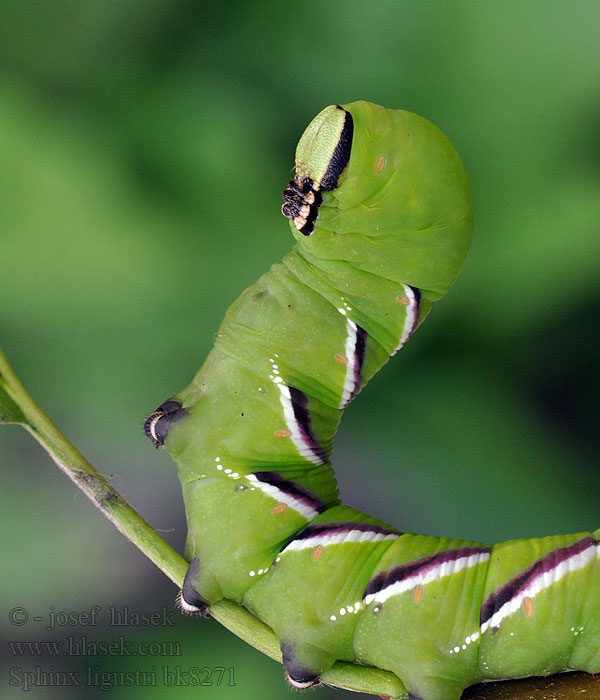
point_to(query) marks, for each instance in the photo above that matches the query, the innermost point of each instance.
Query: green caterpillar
(379, 207)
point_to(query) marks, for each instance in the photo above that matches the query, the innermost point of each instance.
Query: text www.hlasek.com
(82, 646)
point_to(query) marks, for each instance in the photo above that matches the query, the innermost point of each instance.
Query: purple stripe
(417, 293)
(324, 529)
(359, 360)
(302, 416)
(291, 488)
(520, 582)
(421, 566)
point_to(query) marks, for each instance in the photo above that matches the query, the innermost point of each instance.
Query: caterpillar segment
(441, 614)
(379, 208)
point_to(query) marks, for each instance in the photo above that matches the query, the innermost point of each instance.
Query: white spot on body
(344, 308)
(468, 640)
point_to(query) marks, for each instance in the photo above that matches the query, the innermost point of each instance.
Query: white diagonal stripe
(412, 316)
(350, 349)
(338, 538)
(282, 497)
(540, 583)
(446, 568)
(292, 424)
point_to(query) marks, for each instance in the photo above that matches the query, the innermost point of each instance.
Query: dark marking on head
(158, 423)
(341, 155)
(191, 601)
(298, 676)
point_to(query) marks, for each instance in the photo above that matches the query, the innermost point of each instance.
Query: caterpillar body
(380, 209)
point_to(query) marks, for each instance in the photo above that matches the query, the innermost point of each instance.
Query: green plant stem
(17, 406)
(93, 484)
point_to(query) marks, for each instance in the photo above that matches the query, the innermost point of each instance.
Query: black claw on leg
(158, 422)
(199, 608)
(297, 676)
(190, 601)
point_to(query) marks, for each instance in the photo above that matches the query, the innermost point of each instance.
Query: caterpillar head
(383, 190)
(322, 156)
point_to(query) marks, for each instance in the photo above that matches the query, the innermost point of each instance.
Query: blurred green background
(143, 150)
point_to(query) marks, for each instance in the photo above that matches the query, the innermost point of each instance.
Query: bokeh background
(144, 146)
